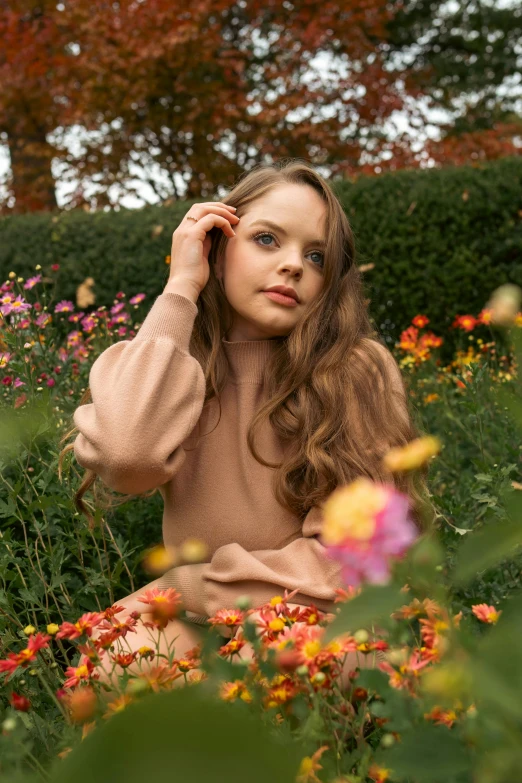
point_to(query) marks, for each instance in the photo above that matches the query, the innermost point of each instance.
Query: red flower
(465, 322)
(20, 702)
(75, 674)
(83, 626)
(420, 321)
(14, 660)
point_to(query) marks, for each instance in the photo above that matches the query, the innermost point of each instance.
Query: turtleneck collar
(248, 358)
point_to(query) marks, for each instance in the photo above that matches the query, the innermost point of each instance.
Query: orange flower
(228, 617)
(420, 321)
(465, 322)
(124, 659)
(118, 705)
(280, 693)
(378, 774)
(346, 593)
(485, 613)
(230, 691)
(83, 626)
(82, 704)
(185, 664)
(233, 647)
(165, 604)
(85, 671)
(14, 660)
(441, 717)
(309, 766)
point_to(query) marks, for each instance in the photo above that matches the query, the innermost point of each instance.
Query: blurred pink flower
(366, 526)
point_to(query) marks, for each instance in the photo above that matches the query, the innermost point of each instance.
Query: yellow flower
(350, 511)
(29, 629)
(52, 628)
(448, 681)
(413, 455)
(194, 550)
(159, 559)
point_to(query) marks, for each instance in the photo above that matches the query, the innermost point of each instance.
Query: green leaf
(373, 604)
(185, 735)
(485, 548)
(428, 754)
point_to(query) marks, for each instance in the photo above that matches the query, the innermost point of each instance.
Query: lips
(284, 291)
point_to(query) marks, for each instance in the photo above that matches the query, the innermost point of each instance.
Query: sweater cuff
(187, 580)
(171, 316)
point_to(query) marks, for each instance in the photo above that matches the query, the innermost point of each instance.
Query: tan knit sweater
(148, 395)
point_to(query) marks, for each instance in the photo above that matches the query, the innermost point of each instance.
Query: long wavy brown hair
(334, 393)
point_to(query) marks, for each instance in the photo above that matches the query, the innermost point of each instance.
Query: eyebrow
(282, 231)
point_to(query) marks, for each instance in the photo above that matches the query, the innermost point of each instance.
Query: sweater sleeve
(147, 395)
(261, 574)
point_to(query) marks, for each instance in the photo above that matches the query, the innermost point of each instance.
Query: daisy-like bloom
(366, 525)
(117, 629)
(185, 664)
(346, 594)
(164, 603)
(441, 717)
(269, 622)
(162, 675)
(37, 642)
(407, 675)
(228, 617)
(433, 632)
(233, 647)
(83, 672)
(280, 693)
(65, 306)
(416, 608)
(117, 705)
(278, 603)
(231, 691)
(309, 766)
(415, 454)
(32, 281)
(82, 626)
(145, 652)
(124, 659)
(485, 613)
(465, 322)
(420, 321)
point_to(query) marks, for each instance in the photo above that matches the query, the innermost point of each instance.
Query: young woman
(246, 408)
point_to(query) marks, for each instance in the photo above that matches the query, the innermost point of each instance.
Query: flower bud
(318, 677)
(137, 686)
(387, 740)
(302, 670)
(9, 724)
(243, 602)
(361, 636)
(29, 629)
(53, 628)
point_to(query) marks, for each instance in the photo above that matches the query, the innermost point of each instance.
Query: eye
(268, 234)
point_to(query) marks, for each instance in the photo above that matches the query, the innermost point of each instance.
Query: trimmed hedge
(441, 241)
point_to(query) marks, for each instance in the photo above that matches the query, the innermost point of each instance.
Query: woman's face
(261, 256)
